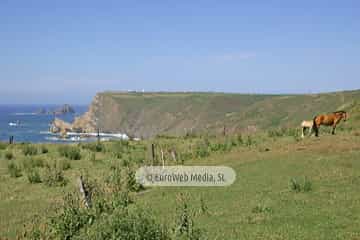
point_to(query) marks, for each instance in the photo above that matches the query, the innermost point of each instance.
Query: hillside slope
(148, 114)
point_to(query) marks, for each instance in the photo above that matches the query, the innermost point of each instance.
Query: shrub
(127, 224)
(184, 156)
(239, 139)
(32, 162)
(70, 152)
(122, 178)
(70, 219)
(119, 147)
(249, 141)
(184, 223)
(33, 229)
(202, 151)
(64, 164)
(261, 209)
(29, 150)
(54, 176)
(295, 185)
(44, 149)
(300, 186)
(276, 133)
(204, 209)
(33, 175)
(110, 217)
(9, 155)
(307, 187)
(14, 170)
(113, 218)
(94, 147)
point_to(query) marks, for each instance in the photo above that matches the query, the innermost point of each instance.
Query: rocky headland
(145, 115)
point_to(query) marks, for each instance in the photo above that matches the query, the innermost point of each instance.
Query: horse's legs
(333, 130)
(311, 130)
(302, 132)
(316, 128)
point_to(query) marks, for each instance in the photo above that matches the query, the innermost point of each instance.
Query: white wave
(48, 133)
(52, 138)
(22, 114)
(59, 139)
(113, 135)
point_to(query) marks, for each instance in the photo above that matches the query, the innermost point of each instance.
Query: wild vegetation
(286, 187)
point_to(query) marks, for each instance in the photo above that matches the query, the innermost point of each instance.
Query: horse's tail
(315, 127)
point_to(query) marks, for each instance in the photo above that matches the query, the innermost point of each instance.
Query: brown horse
(331, 119)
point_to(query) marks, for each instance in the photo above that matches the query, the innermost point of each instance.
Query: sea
(22, 122)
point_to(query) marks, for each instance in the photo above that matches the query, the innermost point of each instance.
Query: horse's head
(342, 115)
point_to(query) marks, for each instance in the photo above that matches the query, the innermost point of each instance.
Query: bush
(202, 151)
(70, 152)
(239, 139)
(33, 175)
(44, 149)
(119, 148)
(94, 147)
(276, 133)
(32, 162)
(184, 224)
(307, 187)
(70, 219)
(295, 185)
(64, 164)
(9, 155)
(261, 209)
(122, 178)
(184, 156)
(204, 209)
(29, 150)
(54, 176)
(127, 224)
(300, 186)
(249, 141)
(14, 170)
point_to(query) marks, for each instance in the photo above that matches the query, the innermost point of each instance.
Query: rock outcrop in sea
(60, 126)
(64, 109)
(41, 111)
(82, 124)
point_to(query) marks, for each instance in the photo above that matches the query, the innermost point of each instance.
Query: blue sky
(66, 51)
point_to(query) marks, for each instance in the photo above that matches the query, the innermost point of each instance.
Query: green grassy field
(286, 188)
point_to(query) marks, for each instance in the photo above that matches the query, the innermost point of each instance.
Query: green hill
(150, 114)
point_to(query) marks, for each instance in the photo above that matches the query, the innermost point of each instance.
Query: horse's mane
(339, 112)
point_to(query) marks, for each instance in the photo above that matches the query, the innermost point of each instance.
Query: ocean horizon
(23, 123)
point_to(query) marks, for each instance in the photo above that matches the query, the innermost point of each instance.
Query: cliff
(148, 114)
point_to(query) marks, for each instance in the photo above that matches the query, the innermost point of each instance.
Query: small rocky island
(64, 109)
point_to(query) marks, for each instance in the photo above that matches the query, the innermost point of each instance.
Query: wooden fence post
(84, 193)
(98, 135)
(153, 153)
(162, 157)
